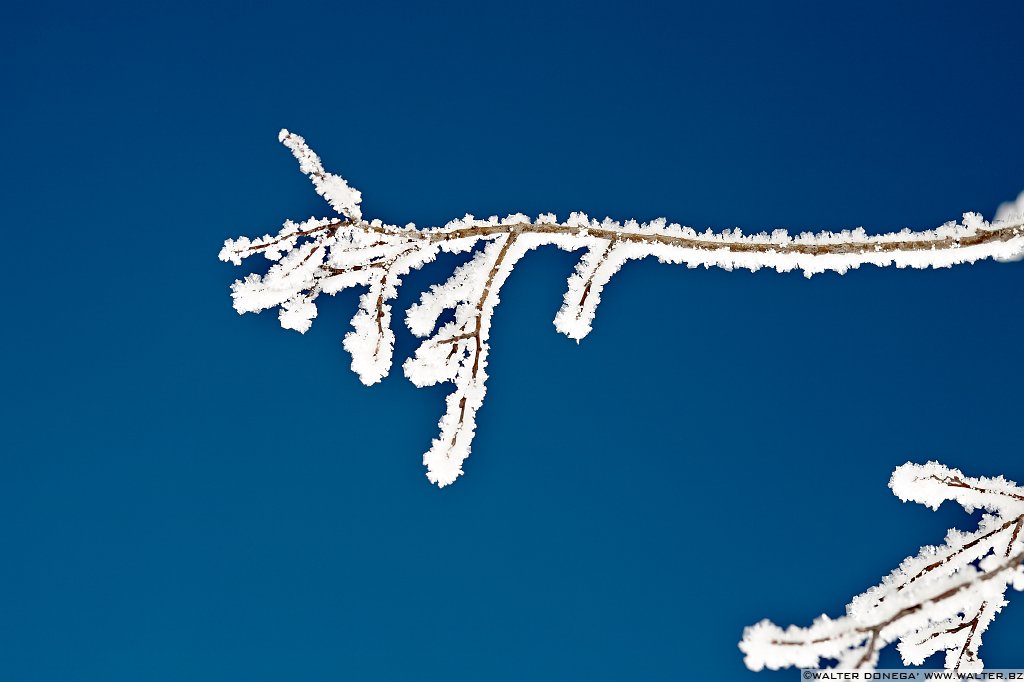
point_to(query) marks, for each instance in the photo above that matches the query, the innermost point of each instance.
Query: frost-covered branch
(327, 255)
(941, 600)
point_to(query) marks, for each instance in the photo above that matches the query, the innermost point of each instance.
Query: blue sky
(190, 494)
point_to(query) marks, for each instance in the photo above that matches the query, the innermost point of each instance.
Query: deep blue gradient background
(186, 494)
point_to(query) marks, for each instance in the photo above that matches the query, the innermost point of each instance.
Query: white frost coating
(468, 278)
(325, 256)
(458, 351)
(940, 600)
(594, 270)
(372, 341)
(297, 313)
(932, 484)
(342, 198)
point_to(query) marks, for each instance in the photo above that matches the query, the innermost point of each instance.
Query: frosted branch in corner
(942, 599)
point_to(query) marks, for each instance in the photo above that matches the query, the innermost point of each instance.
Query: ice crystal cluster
(327, 255)
(942, 599)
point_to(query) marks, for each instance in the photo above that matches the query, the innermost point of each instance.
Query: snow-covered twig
(942, 599)
(324, 256)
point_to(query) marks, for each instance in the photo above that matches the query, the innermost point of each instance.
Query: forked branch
(324, 256)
